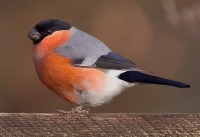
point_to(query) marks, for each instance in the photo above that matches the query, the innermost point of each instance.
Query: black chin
(36, 41)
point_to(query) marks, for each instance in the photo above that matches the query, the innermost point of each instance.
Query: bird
(82, 69)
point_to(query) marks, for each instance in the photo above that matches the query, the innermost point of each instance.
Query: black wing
(113, 61)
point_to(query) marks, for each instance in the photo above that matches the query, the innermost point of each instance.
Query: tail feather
(136, 76)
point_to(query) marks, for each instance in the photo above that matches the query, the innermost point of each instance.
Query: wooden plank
(101, 124)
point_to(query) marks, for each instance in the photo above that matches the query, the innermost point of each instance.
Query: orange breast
(59, 75)
(50, 42)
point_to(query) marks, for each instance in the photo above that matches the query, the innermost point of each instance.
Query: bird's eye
(49, 31)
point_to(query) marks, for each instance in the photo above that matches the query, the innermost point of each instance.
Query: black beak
(34, 35)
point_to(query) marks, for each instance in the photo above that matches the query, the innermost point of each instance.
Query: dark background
(161, 36)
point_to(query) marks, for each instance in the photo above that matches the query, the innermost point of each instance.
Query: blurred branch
(183, 13)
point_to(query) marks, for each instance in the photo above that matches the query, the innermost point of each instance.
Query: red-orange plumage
(57, 73)
(50, 42)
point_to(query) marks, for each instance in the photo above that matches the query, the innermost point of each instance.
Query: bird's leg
(79, 109)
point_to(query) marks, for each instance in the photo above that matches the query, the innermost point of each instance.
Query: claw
(78, 109)
(62, 112)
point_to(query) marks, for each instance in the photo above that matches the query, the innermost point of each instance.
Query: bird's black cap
(47, 27)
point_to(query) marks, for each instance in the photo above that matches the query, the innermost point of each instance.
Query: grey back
(82, 46)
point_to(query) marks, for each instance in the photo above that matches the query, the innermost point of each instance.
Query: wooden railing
(99, 124)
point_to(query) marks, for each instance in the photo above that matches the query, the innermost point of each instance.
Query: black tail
(136, 76)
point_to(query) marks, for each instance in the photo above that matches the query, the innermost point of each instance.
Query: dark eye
(49, 31)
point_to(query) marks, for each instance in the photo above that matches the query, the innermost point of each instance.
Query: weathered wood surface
(114, 124)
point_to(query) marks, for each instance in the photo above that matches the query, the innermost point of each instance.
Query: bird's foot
(79, 109)
(60, 111)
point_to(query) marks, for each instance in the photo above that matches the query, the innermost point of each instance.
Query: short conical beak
(34, 35)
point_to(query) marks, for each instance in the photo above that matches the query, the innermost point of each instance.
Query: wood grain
(99, 124)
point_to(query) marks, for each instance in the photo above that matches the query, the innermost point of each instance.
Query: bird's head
(50, 32)
(48, 35)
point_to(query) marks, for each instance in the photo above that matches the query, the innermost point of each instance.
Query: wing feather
(114, 61)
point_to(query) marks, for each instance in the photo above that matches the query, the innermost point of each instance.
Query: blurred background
(161, 36)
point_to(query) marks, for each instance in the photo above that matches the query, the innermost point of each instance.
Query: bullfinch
(82, 69)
